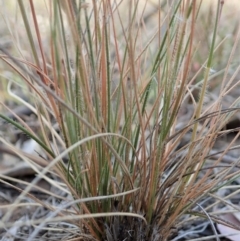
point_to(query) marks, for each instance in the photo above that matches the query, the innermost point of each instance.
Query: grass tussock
(110, 89)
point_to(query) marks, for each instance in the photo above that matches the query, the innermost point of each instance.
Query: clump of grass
(116, 93)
